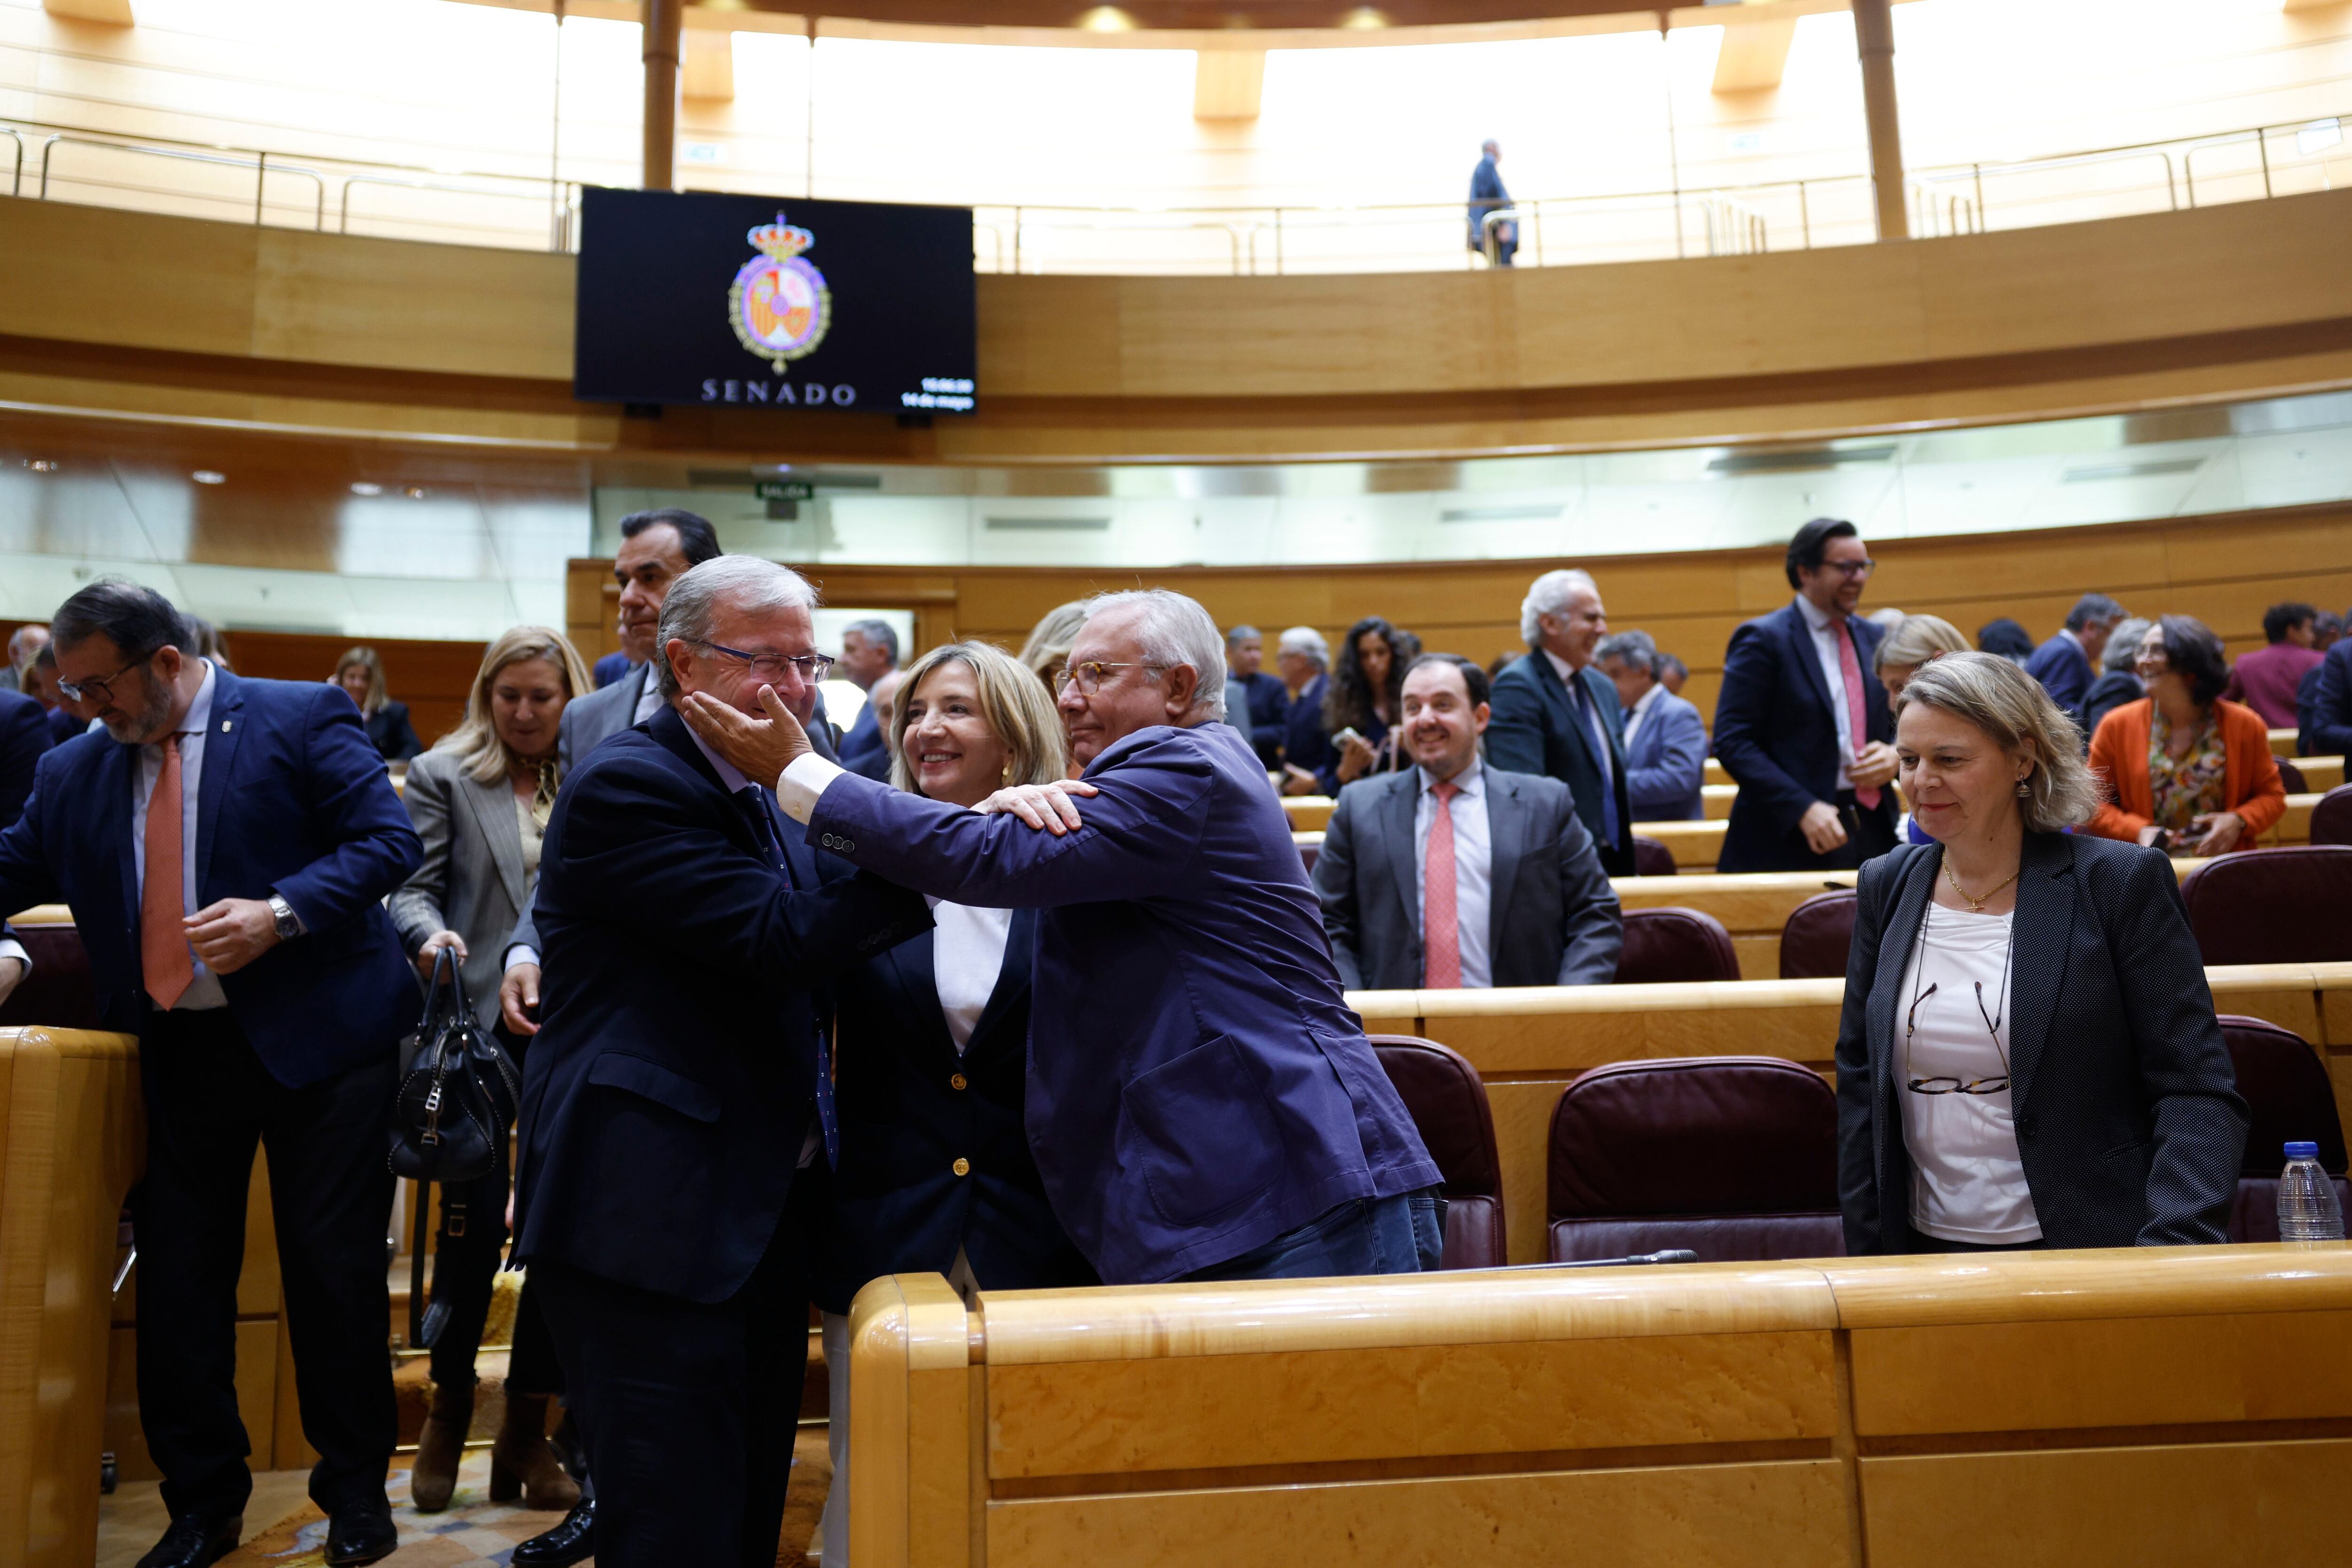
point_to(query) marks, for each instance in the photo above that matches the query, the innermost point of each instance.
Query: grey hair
(2122, 650)
(2094, 609)
(1546, 595)
(1175, 630)
(1636, 648)
(744, 581)
(2009, 705)
(1237, 633)
(1916, 640)
(1306, 641)
(881, 632)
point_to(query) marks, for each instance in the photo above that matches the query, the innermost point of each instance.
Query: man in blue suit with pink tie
(1201, 1103)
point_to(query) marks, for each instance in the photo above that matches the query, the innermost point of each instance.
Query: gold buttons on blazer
(962, 1167)
(958, 1081)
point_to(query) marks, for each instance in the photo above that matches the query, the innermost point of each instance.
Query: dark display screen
(768, 302)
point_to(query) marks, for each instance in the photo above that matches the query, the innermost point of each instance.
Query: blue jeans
(1400, 1235)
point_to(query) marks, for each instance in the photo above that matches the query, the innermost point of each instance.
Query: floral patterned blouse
(2190, 785)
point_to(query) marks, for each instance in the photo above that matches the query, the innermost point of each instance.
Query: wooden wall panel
(433, 678)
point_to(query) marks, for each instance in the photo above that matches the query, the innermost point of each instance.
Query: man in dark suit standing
(1263, 697)
(2066, 664)
(870, 651)
(1803, 725)
(24, 741)
(678, 1079)
(1557, 715)
(225, 847)
(1304, 660)
(1202, 1105)
(1458, 875)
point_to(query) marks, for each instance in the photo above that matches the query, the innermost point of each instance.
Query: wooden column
(1874, 37)
(664, 21)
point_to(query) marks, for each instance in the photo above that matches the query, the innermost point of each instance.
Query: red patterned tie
(1442, 938)
(1864, 795)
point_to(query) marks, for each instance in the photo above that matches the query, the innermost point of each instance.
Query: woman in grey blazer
(481, 800)
(2029, 1055)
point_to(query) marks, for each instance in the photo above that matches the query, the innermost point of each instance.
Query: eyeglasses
(1089, 677)
(99, 690)
(1856, 569)
(1952, 1085)
(769, 668)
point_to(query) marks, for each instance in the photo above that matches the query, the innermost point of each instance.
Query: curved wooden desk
(2176, 1406)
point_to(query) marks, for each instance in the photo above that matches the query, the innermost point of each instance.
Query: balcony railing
(283, 189)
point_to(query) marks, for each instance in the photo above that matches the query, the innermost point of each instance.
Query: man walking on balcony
(1487, 196)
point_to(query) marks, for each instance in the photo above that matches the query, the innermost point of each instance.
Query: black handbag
(458, 1090)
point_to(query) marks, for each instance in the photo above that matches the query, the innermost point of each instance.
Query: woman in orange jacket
(2191, 773)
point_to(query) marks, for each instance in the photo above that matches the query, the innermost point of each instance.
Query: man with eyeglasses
(679, 1090)
(1803, 725)
(1203, 1103)
(227, 846)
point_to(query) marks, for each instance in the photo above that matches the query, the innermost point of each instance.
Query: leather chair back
(2292, 776)
(2331, 820)
(1732, 1156)
(1308, 853)
(2288, 1098)
(1671, 946)
(1652, 858)
(1818, 937)
(61, 991)
(1448, 1104)
(2283, 905)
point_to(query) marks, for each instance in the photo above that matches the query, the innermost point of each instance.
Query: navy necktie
(1600, 738)
(761, 811)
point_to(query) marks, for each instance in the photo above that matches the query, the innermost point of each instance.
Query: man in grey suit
(1529, 904)
(1665, 739)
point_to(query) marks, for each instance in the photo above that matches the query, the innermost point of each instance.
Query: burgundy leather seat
(1817, 936)
(1732, 1156)
(1308, 854)
(1448, 1104)
(2331, 820)
(2284, 905)
(1652, 858)
(2288, 1098)
(2292, 776)
(59, 992)
(1670, 947)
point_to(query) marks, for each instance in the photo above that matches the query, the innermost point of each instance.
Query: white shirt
(1641, 711)
(1473, 868)
(204, 991)
(1571, 678)
(1968, 1180)
(1826, 640)
(967, 956)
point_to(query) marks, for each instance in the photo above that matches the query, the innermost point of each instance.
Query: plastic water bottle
(2307, 1209)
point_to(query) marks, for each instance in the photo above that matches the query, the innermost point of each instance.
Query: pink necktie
(166, 967)
(1441, 938)
(1864, 795)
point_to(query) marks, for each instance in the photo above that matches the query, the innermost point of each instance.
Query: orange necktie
(165, 962)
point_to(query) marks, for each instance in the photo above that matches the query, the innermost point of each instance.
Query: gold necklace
(1976, 905)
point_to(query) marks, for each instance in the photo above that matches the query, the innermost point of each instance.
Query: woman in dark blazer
(2029, 1055)
(932, 1054)
(360, 673)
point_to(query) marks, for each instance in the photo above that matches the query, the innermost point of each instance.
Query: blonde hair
(1916, 640)
(1012, 702)
(481, 752)
(1049, 641)
(1991, 693)
(365, 658)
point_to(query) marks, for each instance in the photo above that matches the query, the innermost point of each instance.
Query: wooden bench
(2025, 1410)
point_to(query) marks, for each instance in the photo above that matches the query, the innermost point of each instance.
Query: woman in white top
(931, 1063)
(2029, 1055)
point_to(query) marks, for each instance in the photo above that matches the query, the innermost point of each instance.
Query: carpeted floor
(474, 1531)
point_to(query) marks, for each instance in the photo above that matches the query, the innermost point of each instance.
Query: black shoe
(196, 1543)
(571, 1542)
(362, 1534)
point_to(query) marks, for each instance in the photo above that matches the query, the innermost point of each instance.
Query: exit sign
(785, 490)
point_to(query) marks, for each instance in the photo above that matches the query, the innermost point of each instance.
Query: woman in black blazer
(932, 1054)
(2029, 1055)
(360, 674)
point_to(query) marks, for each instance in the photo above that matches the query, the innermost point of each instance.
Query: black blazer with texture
(2127, 1107)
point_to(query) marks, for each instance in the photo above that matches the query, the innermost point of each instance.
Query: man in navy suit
(1665, 740)
(1201, 1105)
(870, 651)
(1487, 196)
(2068, 662)
(24, 741)
(1557, 715)
(1303, 660)
(677, 1082)
(225, 846)
(1803, 725)
(1262, 698)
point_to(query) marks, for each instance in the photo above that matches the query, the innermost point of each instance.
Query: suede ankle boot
(441, 1446)
(522, 1462)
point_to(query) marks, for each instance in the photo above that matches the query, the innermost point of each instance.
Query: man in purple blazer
(1201, 1103)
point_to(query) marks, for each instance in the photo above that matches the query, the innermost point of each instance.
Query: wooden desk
(2282, 742)
(2176, 1406)
(1308, 813)
(2321, 774)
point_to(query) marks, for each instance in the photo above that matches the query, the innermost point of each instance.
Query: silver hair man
(1548, 595)
(1174, 630)
(1305, 642)
(745, 581)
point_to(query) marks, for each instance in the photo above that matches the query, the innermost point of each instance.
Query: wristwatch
(289, 925)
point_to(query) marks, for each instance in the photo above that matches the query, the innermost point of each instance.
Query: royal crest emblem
(779, 305)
